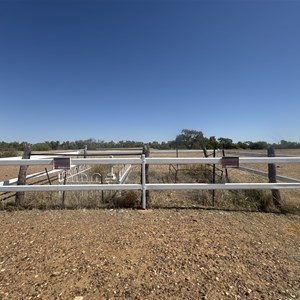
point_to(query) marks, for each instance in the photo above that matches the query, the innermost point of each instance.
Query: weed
(128, 199)
(259, 200)
(9, 153)
(103, 170)
(198, 173)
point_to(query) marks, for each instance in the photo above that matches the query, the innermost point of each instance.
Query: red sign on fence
(62, 163)
(230, 162)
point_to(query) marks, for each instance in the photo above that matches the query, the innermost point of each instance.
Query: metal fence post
(144, 200)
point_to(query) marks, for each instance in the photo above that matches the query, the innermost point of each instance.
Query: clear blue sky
(144, 70)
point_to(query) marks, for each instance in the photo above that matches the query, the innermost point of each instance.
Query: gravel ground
(152, 254)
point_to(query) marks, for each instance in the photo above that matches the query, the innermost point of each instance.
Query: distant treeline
(187, 139)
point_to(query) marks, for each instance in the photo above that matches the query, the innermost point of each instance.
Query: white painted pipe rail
(124, 174)
(218, 160)
(74, 161)
(106, 161)
(69, 187)
(184, 151)
(151, 186)
(115, 152)
(222, 186)
(158, 161)
(34, 175)
(26, 162)
(266, 174)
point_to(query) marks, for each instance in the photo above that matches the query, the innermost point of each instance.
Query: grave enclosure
(77, 176)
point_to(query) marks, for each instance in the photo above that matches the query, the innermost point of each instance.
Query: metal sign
(63, 163)
(230, 162)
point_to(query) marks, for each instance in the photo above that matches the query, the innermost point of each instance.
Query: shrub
(253, 199)
(9, 153)
(128, 199)
(41, 147)
(199, 173)
(100, 169)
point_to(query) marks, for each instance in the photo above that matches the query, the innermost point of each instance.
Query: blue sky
(144, 70)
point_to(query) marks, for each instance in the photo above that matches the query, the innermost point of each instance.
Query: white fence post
(144, 200)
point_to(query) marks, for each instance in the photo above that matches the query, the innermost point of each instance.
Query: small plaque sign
(63, 163)
(230, 162)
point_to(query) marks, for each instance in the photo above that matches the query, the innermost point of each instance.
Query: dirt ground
(152, 254)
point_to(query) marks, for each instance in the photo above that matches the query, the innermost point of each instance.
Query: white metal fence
(144, 186)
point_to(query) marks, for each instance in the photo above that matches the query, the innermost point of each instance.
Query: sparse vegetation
(41, 147)
(197, 173)
(255, 200)
(9, 153)
(99, 169)
(127, 199)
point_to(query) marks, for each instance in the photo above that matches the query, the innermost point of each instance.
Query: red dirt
(153, 254)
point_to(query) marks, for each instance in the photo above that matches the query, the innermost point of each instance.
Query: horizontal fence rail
(266, 174)
(222, 186)
(154, 161)
(91, 153)
(150, 186)
(74, 161)
(255, 154)
(31, 176)
(218, 160)
(70, 187)
(183, 151)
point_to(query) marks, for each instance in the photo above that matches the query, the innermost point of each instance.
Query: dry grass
(243, 200)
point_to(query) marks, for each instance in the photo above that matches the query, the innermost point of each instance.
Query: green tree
(242, 145)
(41, 147)
(258, 145)
(212, 143)
(191, 139)
(226, 143)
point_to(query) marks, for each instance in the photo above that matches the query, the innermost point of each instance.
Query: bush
(9, 153)
(253, 199)
(99, 169)
(199, 174)
(41, 147)
(128, 199)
